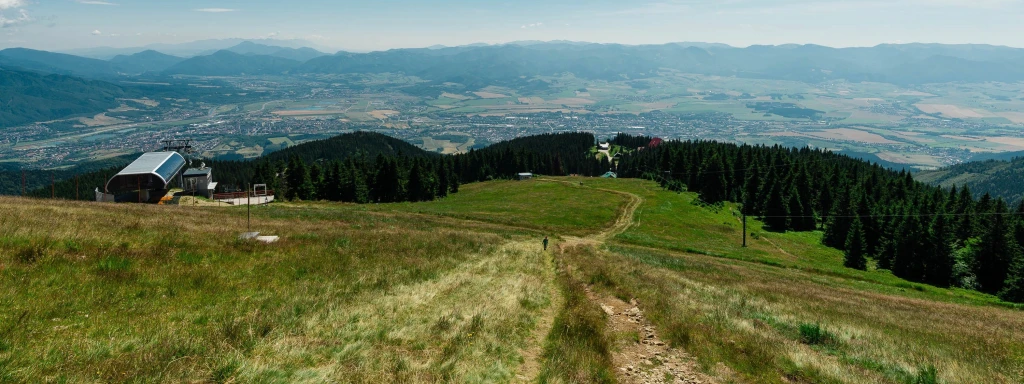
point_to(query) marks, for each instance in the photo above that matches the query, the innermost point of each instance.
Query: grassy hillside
(459, 290)
(998, 178)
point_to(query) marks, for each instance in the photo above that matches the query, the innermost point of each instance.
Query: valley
(236, 115)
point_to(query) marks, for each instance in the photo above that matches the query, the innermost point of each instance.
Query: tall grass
(577, 349)
(105, 293)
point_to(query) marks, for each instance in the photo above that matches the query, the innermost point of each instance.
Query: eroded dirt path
(639, 355)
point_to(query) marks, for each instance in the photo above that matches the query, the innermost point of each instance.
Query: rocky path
(639, 355)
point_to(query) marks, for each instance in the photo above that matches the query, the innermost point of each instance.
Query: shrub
(813, 334)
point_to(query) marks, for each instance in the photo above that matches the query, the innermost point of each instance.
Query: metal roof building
(151, 171)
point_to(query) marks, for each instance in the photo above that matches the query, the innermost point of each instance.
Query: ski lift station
(151, 175)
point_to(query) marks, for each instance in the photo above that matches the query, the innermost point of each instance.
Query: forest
(922, 233)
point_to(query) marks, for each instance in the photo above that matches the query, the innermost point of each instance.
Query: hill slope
(28, 97)
(1003, 179)
(461, 289)
(59, 63)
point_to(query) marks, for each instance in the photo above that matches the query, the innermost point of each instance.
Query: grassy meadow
(459, 290)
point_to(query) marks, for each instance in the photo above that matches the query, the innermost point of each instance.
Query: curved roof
(153, 171)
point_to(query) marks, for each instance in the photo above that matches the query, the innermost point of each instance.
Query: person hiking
(545, 243)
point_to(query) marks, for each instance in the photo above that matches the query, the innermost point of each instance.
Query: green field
(460, 290)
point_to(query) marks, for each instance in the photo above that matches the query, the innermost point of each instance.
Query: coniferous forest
(943, 237)
(921, 233)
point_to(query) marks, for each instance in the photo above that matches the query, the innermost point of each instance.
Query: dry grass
(154, 294)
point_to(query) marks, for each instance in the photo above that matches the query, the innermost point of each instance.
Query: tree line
(366, 167)
(919, 232)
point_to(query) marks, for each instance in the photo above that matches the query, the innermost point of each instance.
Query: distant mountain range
(228, 63)
(1000, 178)
(145, 61)
(194, 48)
(480, 64)
(298, 54)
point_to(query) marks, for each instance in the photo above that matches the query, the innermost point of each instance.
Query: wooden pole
(248, 209)
(744, 230)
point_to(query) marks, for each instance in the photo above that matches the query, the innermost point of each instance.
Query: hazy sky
(382, 24)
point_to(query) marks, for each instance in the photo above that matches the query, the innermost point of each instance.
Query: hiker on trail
(545, 243)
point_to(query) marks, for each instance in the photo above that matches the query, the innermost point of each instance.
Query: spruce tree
(1013, 287)
(994, 257)
(856, 249)
(776, 209)
(939, 258)
(751, 189)
(712, 181)
(417, 187)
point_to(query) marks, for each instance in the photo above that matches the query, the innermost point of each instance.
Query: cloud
(8, 4)
(534, 25)
(272, 35)
(96, 33)
(210, 10)
(20, 19)
(94, 2)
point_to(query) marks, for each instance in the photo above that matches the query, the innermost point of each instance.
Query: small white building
(200, 181)
(525, 176)
(604, 146)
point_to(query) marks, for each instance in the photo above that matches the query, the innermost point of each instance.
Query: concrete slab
(255, 200)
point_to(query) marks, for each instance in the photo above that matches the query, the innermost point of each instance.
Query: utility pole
(248, 209)
(744, 230)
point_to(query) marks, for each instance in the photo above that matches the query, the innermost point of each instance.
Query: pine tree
(939, 258)
(997, 249)
(1013, 287)
(750, 191)
(855, 254)
(713, 187)
(417, 187)
(776, 209)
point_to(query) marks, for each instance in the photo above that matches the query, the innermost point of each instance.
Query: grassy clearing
(153, 294)
(544, 206)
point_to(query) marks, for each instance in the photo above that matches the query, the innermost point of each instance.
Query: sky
(384, 24)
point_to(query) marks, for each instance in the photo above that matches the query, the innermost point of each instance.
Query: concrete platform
(255, 200)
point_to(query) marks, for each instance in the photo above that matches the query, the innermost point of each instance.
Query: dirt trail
(639, 355)
(533, 355)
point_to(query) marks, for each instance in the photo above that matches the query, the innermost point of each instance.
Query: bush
(813, 334)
